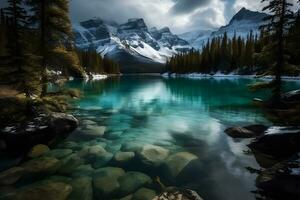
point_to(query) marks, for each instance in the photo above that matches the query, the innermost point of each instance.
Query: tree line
(39, 38)
(275, 51)
(94, 63)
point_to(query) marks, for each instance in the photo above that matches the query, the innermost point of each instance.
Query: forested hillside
(242, 56)
(38, 39)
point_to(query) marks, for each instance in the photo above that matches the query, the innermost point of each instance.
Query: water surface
(178, 115)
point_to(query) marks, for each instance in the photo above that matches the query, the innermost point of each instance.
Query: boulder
(95, 131)
(123, 157)
(44, 190)
(70, 163)
(91, 151)
(38, 150)
(11, 176)
(105, 182)
(175, 164)
(179, 194)
(246, 132)
(281, 181)
(41, 166)
(102, 160)
(153, 155)
(292, 96)
(88, 122)
(82, 189)
(59, 153)
(144, 194)
(69, 145)
(132, 181)
(82, 171)
(279, 142)
(132, 146)
(44, 129)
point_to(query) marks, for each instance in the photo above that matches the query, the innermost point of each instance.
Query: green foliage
(219, 54)
(96, 64)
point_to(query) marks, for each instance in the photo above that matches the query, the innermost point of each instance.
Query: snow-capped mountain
(138, 48)
(241, 24)
(130, 44)
(196, 38)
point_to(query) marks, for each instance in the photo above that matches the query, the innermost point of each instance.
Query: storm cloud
(187, 6)
(179, 15)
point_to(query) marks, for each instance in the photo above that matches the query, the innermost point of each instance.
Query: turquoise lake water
(180, 115)
(134, 129)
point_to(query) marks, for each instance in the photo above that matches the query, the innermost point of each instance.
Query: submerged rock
(153, 155)
(43, 190)
(176, 163)
(144, 194)
(70, 163)
(105, 181)
(41, 166)
(81, 189)
(11, 176)
(123, 157)
(82, 171)
(38, 150)
(102, 160)
(59, 153)
(95, 131)
(246, 132)
(132, 181)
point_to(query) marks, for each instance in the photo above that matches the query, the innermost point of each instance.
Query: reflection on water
(177, 115)
(181, 115)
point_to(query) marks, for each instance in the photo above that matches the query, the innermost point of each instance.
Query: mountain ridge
(138, 48)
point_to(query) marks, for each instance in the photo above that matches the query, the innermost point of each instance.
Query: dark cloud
(187, 6)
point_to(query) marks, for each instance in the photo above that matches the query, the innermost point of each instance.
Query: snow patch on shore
(231, 75)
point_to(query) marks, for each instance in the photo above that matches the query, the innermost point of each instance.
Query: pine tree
(277, 25)
(56, 46)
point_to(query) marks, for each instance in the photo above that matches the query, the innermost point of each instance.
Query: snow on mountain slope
(132, 39)
(241, 24)
(133, 43)
(196, 38)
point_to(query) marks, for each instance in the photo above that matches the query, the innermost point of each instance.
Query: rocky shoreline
(277, 151)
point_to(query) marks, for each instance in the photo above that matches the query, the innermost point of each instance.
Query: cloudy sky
(179, 15)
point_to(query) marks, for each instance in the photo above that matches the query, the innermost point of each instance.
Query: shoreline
(219, 75)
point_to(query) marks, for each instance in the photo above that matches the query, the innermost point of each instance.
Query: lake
(168, 128)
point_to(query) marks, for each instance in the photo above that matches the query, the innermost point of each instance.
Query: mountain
(242, 23)
(196, 38)
(133, 45)
(140, 49)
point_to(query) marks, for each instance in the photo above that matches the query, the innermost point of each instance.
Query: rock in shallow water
(144, 194)
(11, 175)
(123, 157)
(105, 182)
(132, 181)
(280, 142)
(281, 181)
(41, 130)
(179, 195)
(38, 150)
(153, 155)
(43, 190)
(177, 162)
(246, 132)
(81, 189)
(41, 166)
